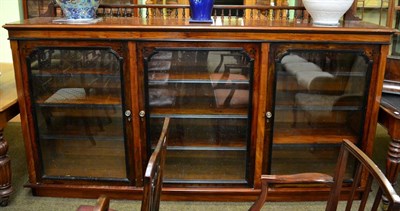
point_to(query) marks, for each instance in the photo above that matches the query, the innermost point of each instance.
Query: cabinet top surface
(183, 24)
(175, 28)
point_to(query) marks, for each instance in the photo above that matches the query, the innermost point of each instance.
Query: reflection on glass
(320, 97)
(396, 37)
(396, 44)
(76, 95)
(206, 93)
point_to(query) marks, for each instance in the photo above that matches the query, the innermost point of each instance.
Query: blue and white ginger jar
(79, 9)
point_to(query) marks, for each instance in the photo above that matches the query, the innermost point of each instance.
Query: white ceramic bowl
(327, 12)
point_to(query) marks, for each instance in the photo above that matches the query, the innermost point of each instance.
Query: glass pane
(76, 96)
(38, 8)
(396, 45)
(206, 93)
(396, 36)
(205, 149)
(320, 97)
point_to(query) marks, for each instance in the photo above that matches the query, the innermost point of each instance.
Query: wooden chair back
(364, 166)
(358, 188)
(154, 173)
(230, 76)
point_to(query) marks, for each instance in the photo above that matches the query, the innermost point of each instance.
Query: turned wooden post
(5, 171)
(389, 117)
(393, 160)
(8, 109)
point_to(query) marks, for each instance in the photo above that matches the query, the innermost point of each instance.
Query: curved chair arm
(102, 204)
(302, 178)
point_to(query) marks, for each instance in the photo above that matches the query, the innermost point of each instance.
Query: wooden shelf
(291, 160)
(307, 134)
(196, 78)
(75, 81)
(70, 71)
(204, 134)
(224, 165)
(69, 158)
(82, 129)
(78, 96)
(207, 144)
(237, 113)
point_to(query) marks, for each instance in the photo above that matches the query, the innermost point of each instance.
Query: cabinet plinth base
(185, 194)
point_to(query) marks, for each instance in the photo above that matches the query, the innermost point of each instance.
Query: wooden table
(8, 110)
(389, 117)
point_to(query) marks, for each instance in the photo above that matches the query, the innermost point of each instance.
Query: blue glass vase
(200, 11)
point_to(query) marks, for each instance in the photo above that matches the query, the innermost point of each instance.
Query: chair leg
(5, 170)
(261, 199)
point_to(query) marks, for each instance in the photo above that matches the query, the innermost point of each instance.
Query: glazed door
(321, 97)
(77, 104)
(206, 90)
